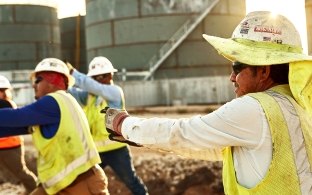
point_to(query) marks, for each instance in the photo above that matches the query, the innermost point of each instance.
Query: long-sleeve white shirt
(241, 123)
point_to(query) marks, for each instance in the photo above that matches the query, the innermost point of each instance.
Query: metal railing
(177, 38)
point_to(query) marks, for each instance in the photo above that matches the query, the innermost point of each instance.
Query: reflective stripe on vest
(10, 142)
(70, 167)
(297, 139)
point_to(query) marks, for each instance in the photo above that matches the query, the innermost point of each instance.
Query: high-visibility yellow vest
(97, 124)
(282, 176)
(70, 152)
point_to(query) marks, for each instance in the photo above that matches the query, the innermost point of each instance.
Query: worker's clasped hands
(113, 121)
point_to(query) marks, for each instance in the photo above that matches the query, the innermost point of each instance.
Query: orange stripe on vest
(10, 142)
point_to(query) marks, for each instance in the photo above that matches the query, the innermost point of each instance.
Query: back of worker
(12, 165)
(95, 91)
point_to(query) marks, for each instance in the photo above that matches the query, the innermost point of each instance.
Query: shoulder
(117, 87)
(242, 102)
(242, 107)
(47, 101)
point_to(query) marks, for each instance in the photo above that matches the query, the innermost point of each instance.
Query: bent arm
(108, 92)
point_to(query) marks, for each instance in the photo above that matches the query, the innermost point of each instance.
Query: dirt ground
(162, 173)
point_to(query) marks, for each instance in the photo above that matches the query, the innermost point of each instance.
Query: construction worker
(12, 165)
(263, 136)
(95, 91)
(67, 156)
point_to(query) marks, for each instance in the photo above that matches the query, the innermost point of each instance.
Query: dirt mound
(162, 173)
(171, 175)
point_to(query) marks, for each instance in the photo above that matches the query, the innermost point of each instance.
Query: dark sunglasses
(38, 80)
(237, 67)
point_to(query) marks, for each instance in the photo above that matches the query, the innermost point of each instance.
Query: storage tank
(132, 32)
(28, 34)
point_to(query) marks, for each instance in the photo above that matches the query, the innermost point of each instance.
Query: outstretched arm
(45, 111)
(205, 136)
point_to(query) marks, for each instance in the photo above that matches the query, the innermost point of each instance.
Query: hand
(119, 138)
(70, 67)
(114, 119)
(116, 116)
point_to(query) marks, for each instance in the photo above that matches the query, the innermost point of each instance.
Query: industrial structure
(160, 39)
(156, 45)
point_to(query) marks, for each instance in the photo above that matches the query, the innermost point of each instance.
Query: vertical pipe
(77, 45)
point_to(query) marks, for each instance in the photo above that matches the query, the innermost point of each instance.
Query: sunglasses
(38, 80)
(237, 67)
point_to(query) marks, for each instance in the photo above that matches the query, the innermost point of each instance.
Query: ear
(108, 79)
(264, 72)
(111, 76)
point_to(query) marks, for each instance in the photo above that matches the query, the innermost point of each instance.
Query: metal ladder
(177, 38)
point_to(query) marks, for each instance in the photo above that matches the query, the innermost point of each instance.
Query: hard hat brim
(94, 73)
(251, 54)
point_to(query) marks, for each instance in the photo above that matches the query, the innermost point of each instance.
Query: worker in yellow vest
(264, 135)
(67, 156)
(12, 164)
(95, 91)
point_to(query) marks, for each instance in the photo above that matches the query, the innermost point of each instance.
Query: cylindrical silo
(308, 5)
(28, 34)
(73, 41)
(131, 32)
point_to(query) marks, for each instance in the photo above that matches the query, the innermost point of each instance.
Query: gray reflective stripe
(297, 142)
(79, 161)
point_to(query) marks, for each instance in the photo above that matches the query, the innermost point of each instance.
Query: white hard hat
(4, 83)
(261, 38)
(54, 65)
(100, 65)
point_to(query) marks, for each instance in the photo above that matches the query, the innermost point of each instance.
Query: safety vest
(283, 175)
(70, 152)
(97, 124)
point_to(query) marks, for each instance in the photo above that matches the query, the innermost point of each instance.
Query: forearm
(108, 92)
(42, 112)
(10, 131)
(169, 135)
